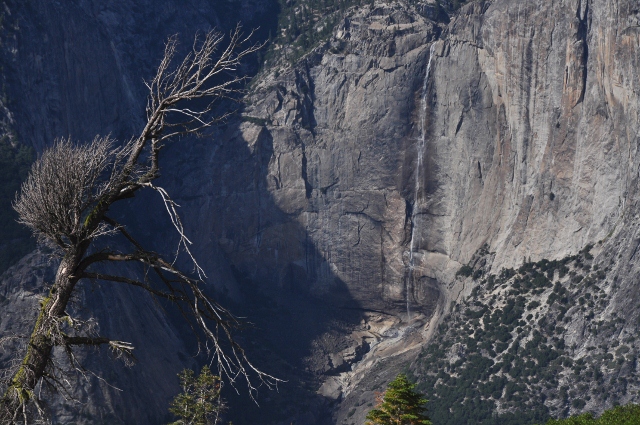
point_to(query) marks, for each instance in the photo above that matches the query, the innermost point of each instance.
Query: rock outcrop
(530, 110)
(311, 210)
(336, 137)
(531, 132)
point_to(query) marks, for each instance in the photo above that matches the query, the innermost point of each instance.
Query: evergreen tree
(399, 405)
(200, 402)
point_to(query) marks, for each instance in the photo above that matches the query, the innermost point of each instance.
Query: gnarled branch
(65, 201)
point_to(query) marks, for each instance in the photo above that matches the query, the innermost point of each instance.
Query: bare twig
(65, 201)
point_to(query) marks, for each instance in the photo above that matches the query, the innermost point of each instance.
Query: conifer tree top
(400, 404)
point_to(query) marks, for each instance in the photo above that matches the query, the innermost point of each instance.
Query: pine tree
(200, 402)
(399, 405)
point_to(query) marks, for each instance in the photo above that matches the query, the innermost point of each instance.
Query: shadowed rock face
(530, 128)
(339, 167)
(531, 134)
(530, 122)
(76, 70)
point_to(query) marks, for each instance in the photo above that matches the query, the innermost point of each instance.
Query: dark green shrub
(465, 271)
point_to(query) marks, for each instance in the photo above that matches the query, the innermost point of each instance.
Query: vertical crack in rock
(418, 187)
(583, 32)
(307, 186)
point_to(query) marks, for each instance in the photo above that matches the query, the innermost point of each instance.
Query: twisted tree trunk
(43, 339)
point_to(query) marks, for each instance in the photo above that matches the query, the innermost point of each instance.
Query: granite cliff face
(339, 205)
(530, 141)
(339, 131)
(530, 110)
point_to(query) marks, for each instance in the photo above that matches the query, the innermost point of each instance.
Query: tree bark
(44, 336)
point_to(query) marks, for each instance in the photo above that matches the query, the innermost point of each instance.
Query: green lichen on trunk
(21, 390)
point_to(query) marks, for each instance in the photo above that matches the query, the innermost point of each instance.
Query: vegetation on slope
(619, 415)
(305, 24)
(503, 357)
(402, 404)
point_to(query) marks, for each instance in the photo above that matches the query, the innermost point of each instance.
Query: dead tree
(66, 200)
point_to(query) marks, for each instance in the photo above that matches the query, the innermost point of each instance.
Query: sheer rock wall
(309, 195)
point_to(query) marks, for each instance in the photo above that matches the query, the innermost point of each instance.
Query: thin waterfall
(419, 162)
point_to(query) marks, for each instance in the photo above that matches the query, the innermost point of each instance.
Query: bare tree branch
(133, 282)
(65, 201)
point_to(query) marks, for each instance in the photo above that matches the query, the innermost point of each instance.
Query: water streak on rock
(418, 187)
